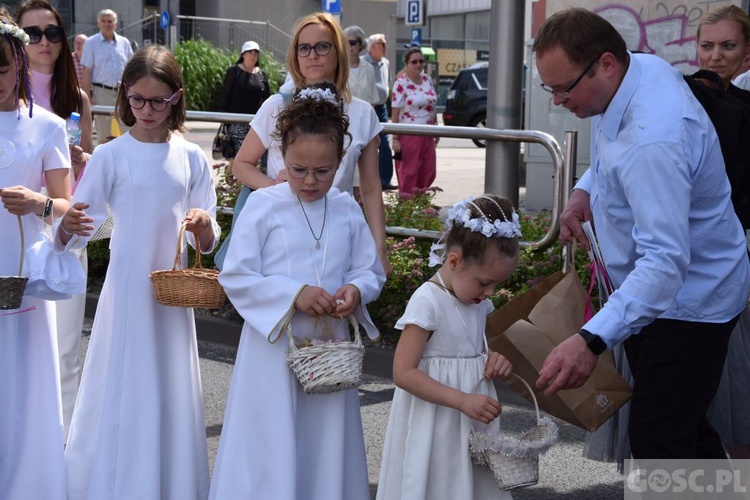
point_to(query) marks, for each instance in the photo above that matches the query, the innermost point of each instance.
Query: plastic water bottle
(74, 129)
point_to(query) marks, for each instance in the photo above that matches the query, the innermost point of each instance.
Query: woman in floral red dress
(414, 101)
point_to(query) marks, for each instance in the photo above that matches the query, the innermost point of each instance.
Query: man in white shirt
(104, 57)
(376, 45)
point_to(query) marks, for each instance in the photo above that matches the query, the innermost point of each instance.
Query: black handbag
(223, 145)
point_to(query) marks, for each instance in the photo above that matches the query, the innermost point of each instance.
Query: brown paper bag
(525, 331)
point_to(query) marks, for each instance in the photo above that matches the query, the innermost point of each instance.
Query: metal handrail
(560, 166)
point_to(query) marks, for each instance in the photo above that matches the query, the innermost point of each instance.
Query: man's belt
(104, 86)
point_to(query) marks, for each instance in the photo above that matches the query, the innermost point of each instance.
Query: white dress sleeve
(421, 310)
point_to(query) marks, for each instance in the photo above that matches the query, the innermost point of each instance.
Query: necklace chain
(325, 213)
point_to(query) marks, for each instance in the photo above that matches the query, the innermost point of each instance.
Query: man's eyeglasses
(320, 48)
(416, 61)
(54, 34)
(566, 93)
(157, 104)
(320, 174)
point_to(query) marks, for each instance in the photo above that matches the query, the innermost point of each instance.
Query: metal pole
(504, 96)
(568, 174)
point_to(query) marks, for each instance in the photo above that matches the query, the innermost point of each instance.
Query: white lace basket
(328, 367)
(514, 461)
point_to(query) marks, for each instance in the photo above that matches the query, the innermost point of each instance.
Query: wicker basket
(514, 461)
(328, 367)
(12, 287)
(193, 287)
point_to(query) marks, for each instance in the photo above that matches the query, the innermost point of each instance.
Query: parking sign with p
(413, 13)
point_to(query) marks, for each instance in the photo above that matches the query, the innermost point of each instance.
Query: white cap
(247, 46)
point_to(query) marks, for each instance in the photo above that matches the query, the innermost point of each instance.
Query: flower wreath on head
(14, 31)
(318, 94)
(460, 214)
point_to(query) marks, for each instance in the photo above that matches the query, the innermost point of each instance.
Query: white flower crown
(317, 94)
(500, 228)
(460, 214)
(14, 31)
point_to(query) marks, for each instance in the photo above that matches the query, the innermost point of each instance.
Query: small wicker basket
(328, 367)
(514, 461)
(12, 287)
(193, 287)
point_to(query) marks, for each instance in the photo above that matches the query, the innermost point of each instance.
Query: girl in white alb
(441, 357)
(138, 430)
(303, 252)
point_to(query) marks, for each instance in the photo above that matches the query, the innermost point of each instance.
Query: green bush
(204, 66)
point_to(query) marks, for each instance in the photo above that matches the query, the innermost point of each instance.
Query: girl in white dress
(32, 146)
(138, 429)
(303, 252)
(319, 52)
(441, 356)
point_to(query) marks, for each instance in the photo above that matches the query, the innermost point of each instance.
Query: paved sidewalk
(564, 474)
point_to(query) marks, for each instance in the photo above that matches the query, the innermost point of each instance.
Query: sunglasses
(417, 61)
(353, 42)
(54, 34)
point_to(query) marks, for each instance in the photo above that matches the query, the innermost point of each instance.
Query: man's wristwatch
(593, 342)
(47, 209)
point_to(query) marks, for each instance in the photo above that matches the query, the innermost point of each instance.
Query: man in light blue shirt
(659, 197)
(104, 57)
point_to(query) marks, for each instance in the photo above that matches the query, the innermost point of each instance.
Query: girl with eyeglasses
(303, 254)
(32, 146)
(56, 89)
(414, 101)
(319, 52)
(138, 428)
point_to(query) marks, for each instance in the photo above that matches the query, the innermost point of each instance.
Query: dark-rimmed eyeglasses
(566, 93)
(54, 34)
(320, 174)
(157, 103)
(320, 48)
(416, 61)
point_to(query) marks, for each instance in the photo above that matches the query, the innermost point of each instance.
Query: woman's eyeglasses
(320, 174)
(157, 104)
(54, 34)
(320, 48)
(416, 61)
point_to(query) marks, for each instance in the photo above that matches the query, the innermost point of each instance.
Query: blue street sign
(164, 20)
(331, 6)
(416, 35)
(413, 13)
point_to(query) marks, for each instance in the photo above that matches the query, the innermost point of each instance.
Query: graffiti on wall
(666, 28)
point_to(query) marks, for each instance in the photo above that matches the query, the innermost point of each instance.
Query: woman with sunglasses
(413, 101)
(319, 51)
(55, 87)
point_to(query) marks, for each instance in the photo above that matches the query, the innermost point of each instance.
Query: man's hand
(568, 366)
(577, 210)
